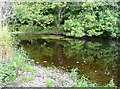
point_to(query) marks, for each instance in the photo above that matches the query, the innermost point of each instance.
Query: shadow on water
(98, 60)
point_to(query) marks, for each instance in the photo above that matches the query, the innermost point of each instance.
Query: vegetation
(85, 82)
(5, 37)
(73, 19)
(92, 19)
(27, 78)
(78, 19)
(49, 83)
(29, 68)
(74, 74)
(9, 69)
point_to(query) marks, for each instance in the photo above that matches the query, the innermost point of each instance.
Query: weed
(8, 70)
(5, 37)
(27, 78)
(83, 82)
(29, 68)
(111, 83)
(49, 83)
(74, 74)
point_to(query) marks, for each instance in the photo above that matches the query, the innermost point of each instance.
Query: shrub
(77, 19)
(93, 19)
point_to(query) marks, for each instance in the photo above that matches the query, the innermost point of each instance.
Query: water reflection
(98, 60)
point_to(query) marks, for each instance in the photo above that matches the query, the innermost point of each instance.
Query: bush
(38, 14)
(77, 19)
(93, 19)
(73, 27)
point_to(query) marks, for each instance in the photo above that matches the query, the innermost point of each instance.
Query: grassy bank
(11, 59)
(10, 68)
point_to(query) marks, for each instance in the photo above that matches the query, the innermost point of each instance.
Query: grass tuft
(27, 78)
(49, 83)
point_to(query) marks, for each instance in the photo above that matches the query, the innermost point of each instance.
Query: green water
(97, 59)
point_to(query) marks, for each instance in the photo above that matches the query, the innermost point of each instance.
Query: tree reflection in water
(98, 60)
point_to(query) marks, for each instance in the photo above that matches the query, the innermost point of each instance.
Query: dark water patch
(99, 60)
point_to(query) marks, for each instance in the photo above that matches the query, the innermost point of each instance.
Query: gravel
(42, 74)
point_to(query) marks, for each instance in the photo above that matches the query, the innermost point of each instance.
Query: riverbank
(47, 35)
(18, 71)
(31, 75)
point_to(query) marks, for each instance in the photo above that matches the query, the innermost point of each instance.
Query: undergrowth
(85, 82)
(5, 37)
(9, 69)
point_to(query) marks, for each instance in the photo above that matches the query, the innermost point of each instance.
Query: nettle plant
(92, 19)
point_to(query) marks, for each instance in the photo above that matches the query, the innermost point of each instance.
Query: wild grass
(49, 83)
(5, 37)
(5, 44)
(9, 69)
(85, 82)
(16, 61)
(29, 68)
(27, 78)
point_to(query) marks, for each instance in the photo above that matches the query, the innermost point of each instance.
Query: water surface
(98, 60)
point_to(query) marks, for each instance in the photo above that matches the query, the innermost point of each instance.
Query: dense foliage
(74, 19)
(92, 19)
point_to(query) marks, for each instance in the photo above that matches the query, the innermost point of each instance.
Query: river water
(97, 59)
